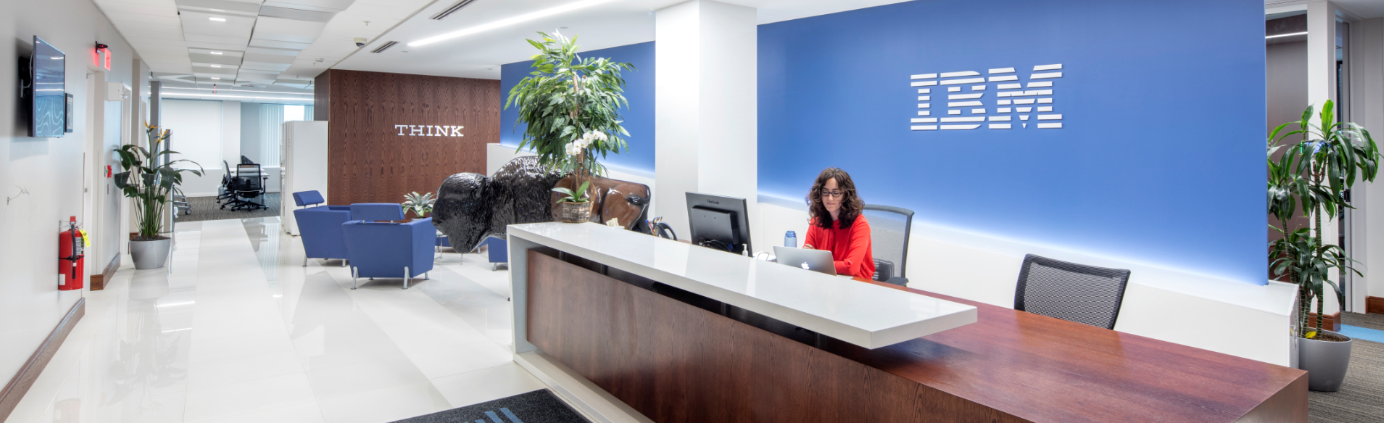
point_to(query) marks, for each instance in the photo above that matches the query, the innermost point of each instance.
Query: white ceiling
(280, 45)
(1364, 9)
(616, 23)
(257, 45)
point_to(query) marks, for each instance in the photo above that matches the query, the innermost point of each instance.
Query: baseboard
(1331, 322)
(1374, 305)
(28, 373)
(98, 282)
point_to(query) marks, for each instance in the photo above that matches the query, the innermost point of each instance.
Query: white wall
(196, 130)
(50, 169)
(209, 132)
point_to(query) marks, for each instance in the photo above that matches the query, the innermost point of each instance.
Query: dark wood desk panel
(677, 363)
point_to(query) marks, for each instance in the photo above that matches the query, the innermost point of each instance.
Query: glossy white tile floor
(236, 330)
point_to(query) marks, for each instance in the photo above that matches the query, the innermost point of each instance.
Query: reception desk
(671, 332)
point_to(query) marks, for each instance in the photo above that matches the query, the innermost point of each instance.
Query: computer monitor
(719, 222)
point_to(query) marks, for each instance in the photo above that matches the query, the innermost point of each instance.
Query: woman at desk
(838, 225)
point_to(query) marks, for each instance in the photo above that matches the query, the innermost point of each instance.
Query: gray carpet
(206, 208)
(539, 406)
(1361, 398)
(1367, 321)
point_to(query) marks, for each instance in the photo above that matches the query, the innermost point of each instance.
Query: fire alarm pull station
(71, 254)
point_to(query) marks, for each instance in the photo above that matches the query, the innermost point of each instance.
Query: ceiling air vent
(452, 9)
(384, 47)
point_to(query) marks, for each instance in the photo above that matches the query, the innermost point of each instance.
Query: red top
(849, 247)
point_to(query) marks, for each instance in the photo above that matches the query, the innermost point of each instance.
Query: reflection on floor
(235, 329)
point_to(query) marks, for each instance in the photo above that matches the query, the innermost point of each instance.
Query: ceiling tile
(322, 5)
(264, 67)
(224, 47)
(273, 51)
(279, 44)
(227, 53)
(213, 59)
(220, 7)
(296, 14)
(278, 29)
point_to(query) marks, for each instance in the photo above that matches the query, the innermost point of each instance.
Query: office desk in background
(675, 362)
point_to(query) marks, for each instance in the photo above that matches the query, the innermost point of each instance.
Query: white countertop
(863, 314)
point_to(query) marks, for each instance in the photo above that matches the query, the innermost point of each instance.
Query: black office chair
(1070, 291)
(889, 227)
(247, 186)
(224, 192)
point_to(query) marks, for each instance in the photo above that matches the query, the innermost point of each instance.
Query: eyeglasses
(833, 194)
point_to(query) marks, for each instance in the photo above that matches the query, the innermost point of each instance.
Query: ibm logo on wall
(1012, 98)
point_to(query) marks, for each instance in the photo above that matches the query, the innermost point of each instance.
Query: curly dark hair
(851, 205)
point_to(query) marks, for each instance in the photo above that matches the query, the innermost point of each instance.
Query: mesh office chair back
(889, 227)
(1070, 291)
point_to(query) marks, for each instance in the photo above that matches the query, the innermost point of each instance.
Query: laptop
(814, 260)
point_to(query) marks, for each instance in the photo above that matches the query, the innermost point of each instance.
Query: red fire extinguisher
(71, 246)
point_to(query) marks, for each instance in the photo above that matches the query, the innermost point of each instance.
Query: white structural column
(706, 122)
(230, 133)
(1321, 86)
(1367, 73)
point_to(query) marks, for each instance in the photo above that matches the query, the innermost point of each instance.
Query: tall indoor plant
(1312, 175)
(570, 106)
(149, 178)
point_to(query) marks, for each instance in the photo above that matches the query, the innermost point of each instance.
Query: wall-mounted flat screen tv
(48, 73)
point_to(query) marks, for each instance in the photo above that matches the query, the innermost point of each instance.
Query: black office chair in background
(225, 192)
(247, 186)
(889, 227)
(1070, 291)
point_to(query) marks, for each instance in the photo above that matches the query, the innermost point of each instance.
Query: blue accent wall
(1160, 159)
(638, 118)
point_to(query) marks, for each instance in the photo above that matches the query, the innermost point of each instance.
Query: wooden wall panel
(369, 162)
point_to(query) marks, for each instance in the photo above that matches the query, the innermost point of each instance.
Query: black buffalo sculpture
(472, 206)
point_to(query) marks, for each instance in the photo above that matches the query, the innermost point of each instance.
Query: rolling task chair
(225, 191)
(1070, 291)
(247, 186)
(379, 246)
(889, 228)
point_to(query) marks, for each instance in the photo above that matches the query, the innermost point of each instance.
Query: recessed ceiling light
(217, 10)
(215, 78)
(510, 21)
(217, 19)
(216, 52)
(215, 66)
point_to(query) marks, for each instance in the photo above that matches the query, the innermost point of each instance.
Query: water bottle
(790, 239)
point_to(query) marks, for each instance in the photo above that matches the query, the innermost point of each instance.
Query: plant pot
(149, 254)
(1325, 362)
(575, 212)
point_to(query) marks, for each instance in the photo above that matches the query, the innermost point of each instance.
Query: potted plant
(1313, 175)
(149, 177)
(570, 108)
(420, 205)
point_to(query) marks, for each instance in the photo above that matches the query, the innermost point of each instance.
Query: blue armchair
(379, 247)
(321, 227)
(498, 249)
